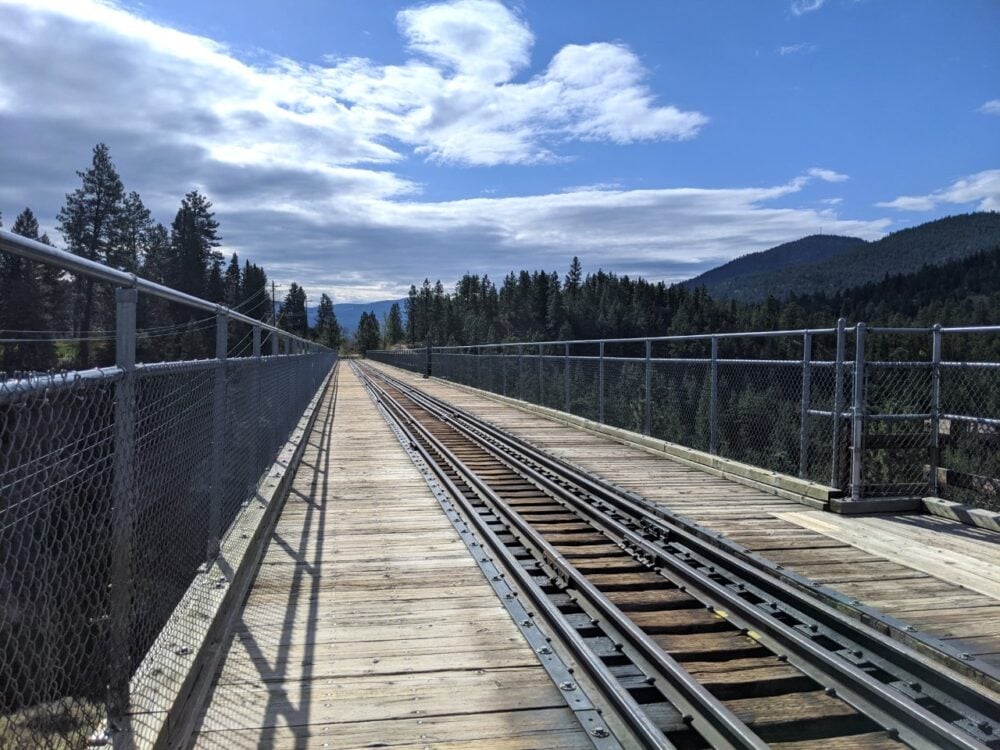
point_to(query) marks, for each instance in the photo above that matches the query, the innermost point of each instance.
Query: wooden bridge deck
(941, 576)
(369, 624)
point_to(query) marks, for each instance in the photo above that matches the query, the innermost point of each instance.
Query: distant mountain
(349, 313)
(726, 280)
(902, 252)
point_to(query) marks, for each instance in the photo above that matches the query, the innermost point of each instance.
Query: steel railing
(117, 485)
(870, 411)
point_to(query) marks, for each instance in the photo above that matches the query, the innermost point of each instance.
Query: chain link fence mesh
(783, 402)
(59, 625)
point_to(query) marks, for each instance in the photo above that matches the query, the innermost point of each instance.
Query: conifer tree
(368, 336)
(394, 325)
(327, 329)
(23, 308)
(89, 223)
(293, 311)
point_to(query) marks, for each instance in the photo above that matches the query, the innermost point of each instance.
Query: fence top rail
(42, 253)
(654, 339)
(705, 337)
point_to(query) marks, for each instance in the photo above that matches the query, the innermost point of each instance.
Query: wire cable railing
(872, 412)
(117, 487)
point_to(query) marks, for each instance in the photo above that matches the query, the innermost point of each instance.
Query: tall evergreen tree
(293, 311)
(327, 329)
(22, 305)
(394, 325)
(368, 336)
(89, 223)
(193, 237)
(232, 282)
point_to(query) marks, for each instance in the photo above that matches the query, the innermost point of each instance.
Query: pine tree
(368, 336)
(293, 311)
(193, 237)
(89, 222)
(394, 326)
(327, 329)
(232, 282)
(132, 230)
(22, 305)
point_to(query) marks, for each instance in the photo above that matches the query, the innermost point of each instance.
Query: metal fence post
(935, 457)
(858, 413)
(479, 367)
(838, 403)
(218, 437)
(520, 372)
(600, 385)
(541, 387)
(123, 511)
(566, 377)
(647, 428)
(258, 367)
(806, 393)
(713, 400)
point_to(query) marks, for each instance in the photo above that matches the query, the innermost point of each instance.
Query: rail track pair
(675, 641)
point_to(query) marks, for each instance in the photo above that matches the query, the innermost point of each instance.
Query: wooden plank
(544, 729)
(370, 624)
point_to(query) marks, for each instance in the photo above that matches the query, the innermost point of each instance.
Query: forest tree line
(50, 318)
(542, 306)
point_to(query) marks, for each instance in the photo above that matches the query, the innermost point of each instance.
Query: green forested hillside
(542, 306)
(901, 252)
(728, 279)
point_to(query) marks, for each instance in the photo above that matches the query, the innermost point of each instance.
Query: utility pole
(274, 306)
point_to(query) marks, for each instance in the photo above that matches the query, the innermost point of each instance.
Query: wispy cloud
(980, 190)
(802, 48)
(304, 162)
(801, 7)
(992, 107)
(827, 175)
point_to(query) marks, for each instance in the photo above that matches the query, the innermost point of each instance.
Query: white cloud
(832, 201)
(827, 175)
(793, 49)
(801, 7)
(301, 160)
(980, 191)
(477, 38)
(992, 107)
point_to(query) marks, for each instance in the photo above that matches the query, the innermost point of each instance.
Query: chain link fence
(73, 508)
(874, 412)
(116, 487)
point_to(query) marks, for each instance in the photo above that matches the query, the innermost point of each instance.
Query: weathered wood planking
(370, 625)
(932, 572)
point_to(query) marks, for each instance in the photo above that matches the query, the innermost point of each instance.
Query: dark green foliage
(293, 311)
(368, 336)
(728, 279)
(902, 252)
(327, 330)
(22, 304)
(193, 238)
(394, 332)
(90, 223)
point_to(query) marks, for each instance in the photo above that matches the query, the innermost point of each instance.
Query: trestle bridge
(783, 539)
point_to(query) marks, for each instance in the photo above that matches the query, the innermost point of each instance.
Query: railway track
(686, 645)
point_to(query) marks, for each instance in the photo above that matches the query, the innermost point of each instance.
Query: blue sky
(358, 147)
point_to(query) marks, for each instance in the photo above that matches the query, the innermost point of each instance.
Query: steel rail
(887, 705)
(709, 716)
(630, 711)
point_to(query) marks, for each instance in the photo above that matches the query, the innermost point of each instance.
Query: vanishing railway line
(680, 642)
